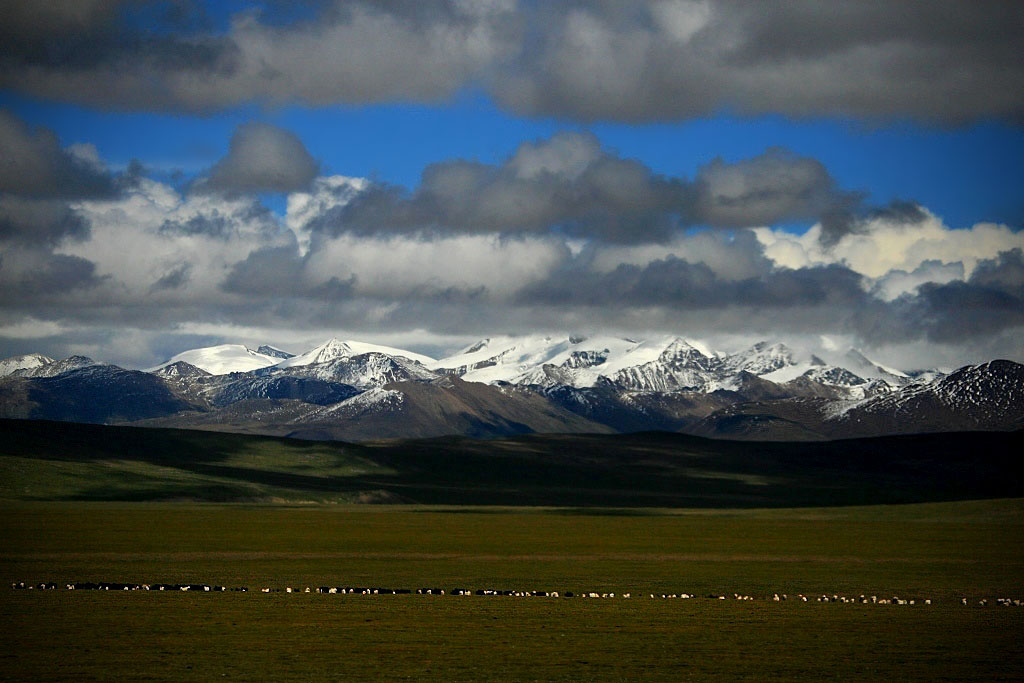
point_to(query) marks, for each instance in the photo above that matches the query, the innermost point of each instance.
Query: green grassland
(648, 513)
(941, 551)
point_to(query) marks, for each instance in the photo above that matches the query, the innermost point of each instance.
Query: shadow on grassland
(578, 472)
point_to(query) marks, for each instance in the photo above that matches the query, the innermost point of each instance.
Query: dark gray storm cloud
(990, 301)
(571, 186)
(849, 215)
(39, 221)
(262, 158)
(39, 181)
(176, 278)
(941, 60)
(678, 284)
(352, 51)
(111, 53)
(30, 277)
(775, 186)
(35, 165)
(279, 273)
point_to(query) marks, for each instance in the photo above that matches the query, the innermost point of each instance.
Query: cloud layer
(945, 60)
(563, 235)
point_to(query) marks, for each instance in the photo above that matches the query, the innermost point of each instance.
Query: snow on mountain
(25, 362)
(985, 396)
(665, 364)
(365, 370)
(222, 359)
(336, 349)
(833, 376)
(861, 365)
(760, 359)
(57, 367)
(679, 366)
(181, 369)
(372, 400)
(280, 387)
(579, 361)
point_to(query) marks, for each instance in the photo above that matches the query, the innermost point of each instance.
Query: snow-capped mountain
(861, 365)
(29, 361)
(985, 397)
(57, 367)
(181, 369)
(338, 350)
(680, 366)
(222, 359)
(499, 385)
(365, 370)
(988, 393)
(834, 376)
(665, 364)
(573, 361)
(761, 359)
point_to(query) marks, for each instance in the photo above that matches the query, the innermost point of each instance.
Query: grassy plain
(940, 550)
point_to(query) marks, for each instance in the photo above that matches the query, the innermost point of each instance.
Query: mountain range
(516, 385)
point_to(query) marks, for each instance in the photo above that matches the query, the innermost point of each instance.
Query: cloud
(988, 303)
(39, 221)
(173, 279)
(881, 244)
(897, 283)
(947, 61)
(776, 186)
(678, 284)
(410, 267)
(731, 255)
(35, 166)
(569, 185)
(30, 277)
(944, 61)
(41, 182)
(278, 273)
(360, 51)
(597, 245)
(262, 158)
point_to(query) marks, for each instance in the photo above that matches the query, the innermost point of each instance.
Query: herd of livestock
(349, 590)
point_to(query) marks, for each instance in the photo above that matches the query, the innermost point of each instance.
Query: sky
(424, 173)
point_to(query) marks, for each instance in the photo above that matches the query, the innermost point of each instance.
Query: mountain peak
(26, 361)
(181, 369)
(273, 352)
(479, 346)
(335, 349)
(57, 367)
(222, 359)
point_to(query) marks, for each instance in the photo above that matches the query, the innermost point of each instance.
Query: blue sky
(721, 170)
